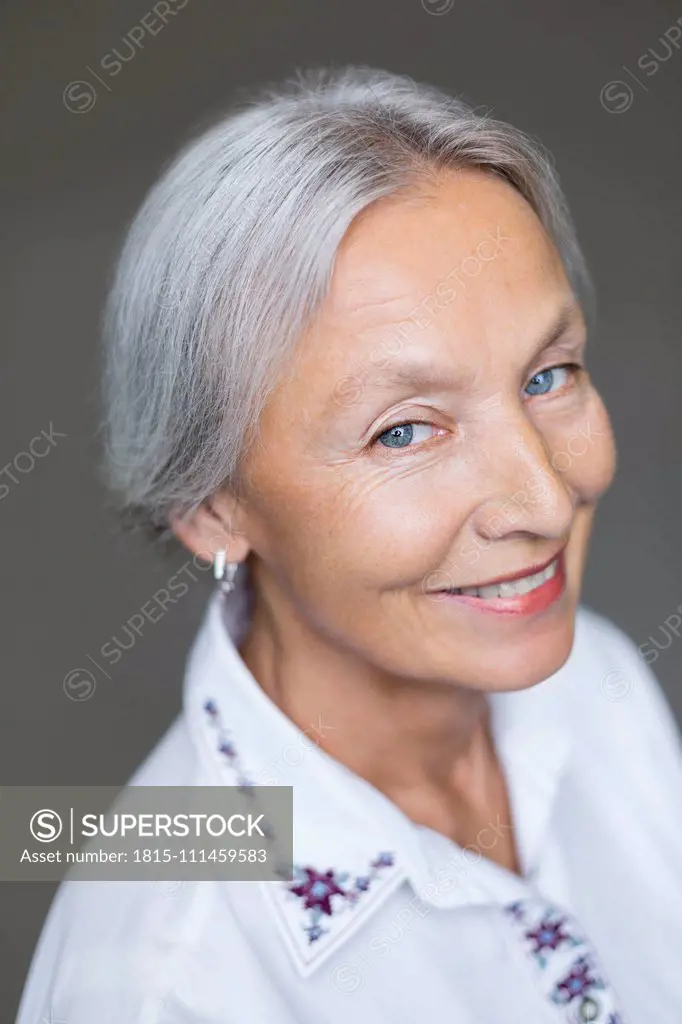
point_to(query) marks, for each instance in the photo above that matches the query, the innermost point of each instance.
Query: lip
(521, 604)
(510, 577)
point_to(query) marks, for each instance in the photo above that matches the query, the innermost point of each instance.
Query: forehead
(450, 283)
(465, 230)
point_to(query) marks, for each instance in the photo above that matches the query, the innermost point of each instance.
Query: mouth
(525, 592)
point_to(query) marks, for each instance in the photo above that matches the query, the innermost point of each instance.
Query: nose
(528, 493)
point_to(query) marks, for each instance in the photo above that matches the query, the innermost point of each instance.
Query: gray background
(73, 180)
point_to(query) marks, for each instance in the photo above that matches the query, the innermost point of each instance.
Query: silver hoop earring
(224, 571)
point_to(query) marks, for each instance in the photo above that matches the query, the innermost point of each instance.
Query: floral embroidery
(549, 934)
(579, 981)
(316, 890)
(575, 983)
(227, 748)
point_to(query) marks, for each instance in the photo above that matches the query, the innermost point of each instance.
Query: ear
(217, 523)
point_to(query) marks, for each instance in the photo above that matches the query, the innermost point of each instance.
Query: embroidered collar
(352, 846)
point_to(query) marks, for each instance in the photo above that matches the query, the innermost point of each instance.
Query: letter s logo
(45, 825)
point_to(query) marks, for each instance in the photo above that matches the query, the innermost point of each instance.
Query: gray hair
(231, 253)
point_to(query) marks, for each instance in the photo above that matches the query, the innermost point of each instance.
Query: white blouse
(390, 921)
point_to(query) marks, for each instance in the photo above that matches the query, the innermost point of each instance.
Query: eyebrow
(417, 371)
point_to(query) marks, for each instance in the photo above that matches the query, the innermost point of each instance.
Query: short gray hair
(232, 250)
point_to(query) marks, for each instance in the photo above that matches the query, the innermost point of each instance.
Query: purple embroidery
(516, 910)
(580, 981)
(227, 747)
(316, 889)
(549, 935)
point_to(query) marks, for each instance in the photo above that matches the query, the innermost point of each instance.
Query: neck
(423, 744)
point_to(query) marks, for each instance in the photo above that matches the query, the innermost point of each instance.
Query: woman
(346, 364)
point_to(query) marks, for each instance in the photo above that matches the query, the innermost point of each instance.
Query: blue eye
(401, 435)
(544, 381)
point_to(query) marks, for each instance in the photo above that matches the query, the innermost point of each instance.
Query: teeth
(511, 588)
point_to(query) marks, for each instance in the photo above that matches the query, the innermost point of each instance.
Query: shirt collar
(352, 846)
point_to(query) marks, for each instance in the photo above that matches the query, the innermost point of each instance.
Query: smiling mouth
(510, 587)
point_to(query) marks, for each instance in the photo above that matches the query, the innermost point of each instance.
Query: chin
(530, 660)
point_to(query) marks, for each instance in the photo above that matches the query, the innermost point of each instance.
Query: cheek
(391, 526)
(368, 528)
(584, 455)
(376, 527)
